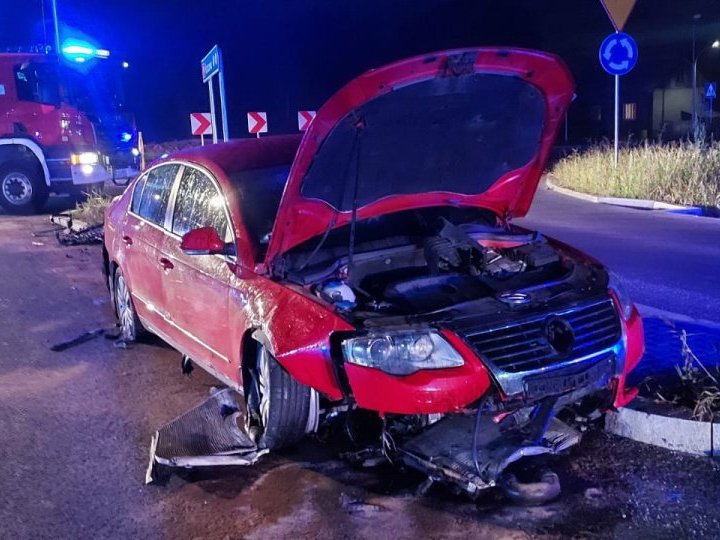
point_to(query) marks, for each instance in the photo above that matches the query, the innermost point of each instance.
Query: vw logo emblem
(559, 334)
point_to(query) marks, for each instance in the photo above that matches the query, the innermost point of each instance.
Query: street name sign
(201, 123)
(618, 53)
(304, 119)
(210, 64)
(257, 122)
(618, 11)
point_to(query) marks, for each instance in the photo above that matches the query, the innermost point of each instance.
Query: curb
(644, 204)
(688, 436)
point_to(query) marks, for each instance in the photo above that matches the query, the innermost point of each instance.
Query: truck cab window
(37, 82)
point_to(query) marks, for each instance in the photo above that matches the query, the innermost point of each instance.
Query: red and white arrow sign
(304, 119)
(257, 122)
(201, 123)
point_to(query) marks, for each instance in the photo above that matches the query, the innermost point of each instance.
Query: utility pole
(56, 26)
(696, 18)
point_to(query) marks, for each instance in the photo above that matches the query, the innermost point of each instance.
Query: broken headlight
(623, 298)
(402, 352)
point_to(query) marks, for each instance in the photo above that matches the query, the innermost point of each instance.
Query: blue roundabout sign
(618, 53)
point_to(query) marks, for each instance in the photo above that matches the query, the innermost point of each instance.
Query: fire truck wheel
(22, 188)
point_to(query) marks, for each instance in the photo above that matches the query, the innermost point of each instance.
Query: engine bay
(443, 259)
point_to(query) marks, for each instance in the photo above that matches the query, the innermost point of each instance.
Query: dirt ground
(75, 428)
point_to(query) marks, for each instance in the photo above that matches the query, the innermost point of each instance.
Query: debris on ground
(355, 505)
(110, 334)
(82, 338)
(89, 235)
(210, 434)
(84, 225)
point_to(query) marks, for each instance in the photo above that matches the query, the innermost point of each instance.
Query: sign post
(211, 65)
(618, 52)
(618, 55)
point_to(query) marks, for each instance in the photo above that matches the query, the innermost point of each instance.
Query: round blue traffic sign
(618, 53)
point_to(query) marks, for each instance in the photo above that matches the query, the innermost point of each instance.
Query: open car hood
(471, 127)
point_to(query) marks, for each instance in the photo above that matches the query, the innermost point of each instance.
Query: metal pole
(202, 140)
(223, 108)
(696, 17)
(212, 110)
(57, 28)
(694, 99)
(617, 117)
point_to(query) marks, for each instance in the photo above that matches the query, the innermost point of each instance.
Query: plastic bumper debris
(208, 435)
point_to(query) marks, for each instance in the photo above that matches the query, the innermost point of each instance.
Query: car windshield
(259, 192)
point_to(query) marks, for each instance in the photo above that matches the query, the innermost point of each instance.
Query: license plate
(553, 384)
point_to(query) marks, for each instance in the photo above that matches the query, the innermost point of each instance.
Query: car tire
(131, 329)
(22, 188)
(280, 410)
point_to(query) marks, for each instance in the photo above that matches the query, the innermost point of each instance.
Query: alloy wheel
(125, 312)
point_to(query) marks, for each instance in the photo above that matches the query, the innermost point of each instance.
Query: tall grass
(92, 209)
(680, 173)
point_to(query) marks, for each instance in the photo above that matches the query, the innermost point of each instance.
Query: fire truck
(63, 128)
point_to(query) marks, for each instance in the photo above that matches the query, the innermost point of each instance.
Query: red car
(372, 264)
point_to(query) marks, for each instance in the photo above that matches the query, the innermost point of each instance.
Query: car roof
(243, 154)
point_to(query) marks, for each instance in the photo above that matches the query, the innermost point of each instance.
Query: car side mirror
(205, 241)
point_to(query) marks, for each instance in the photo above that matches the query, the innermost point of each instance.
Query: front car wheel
(280, 410)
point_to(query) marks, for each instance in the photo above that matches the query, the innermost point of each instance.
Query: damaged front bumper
(471, 454)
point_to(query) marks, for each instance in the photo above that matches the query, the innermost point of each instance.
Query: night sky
(281, 56)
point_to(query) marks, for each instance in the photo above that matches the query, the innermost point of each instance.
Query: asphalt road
(667, 261)
(75, 428)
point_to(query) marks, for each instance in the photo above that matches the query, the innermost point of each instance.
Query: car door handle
(127, 240)
(166, 264)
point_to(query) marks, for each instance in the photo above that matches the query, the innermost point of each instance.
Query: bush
(681, 173)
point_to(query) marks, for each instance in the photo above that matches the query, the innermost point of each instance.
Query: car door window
(137, 194)
(156, 193)
(199, 204)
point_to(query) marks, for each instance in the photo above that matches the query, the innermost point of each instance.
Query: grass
(697, 387)
(92, 209)
(680, 173)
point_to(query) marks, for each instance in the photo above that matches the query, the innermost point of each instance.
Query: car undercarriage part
(209, 434)
(446, 453)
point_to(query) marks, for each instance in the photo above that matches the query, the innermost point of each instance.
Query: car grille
(523, 345)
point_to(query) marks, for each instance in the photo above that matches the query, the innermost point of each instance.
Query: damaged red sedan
(373, 265)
